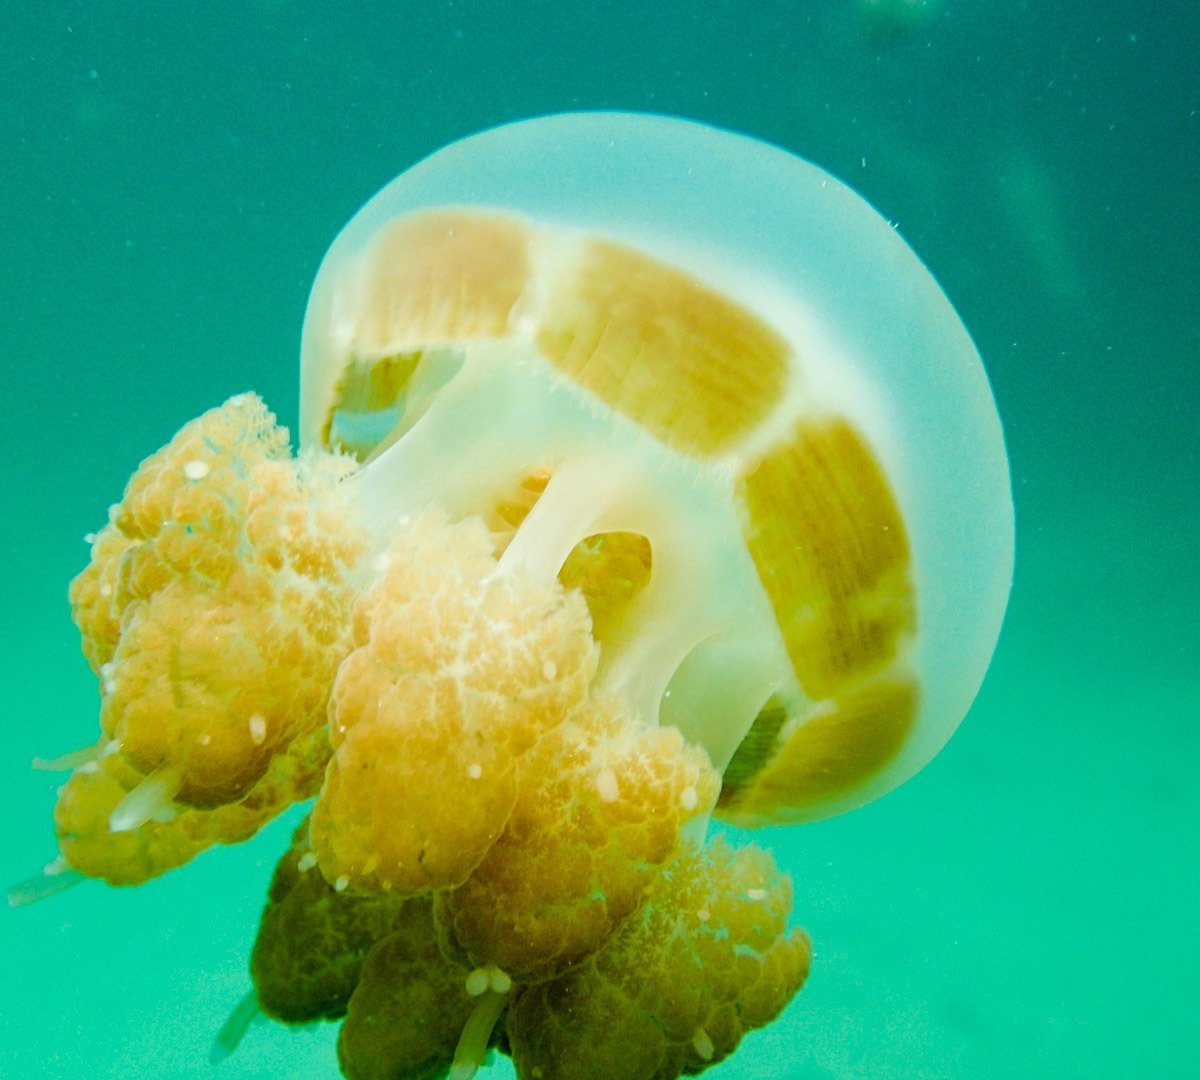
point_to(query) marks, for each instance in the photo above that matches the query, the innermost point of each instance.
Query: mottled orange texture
(702, 958)
(601, 805)
(132, 856)
(706, 959)
(215, 610)
(85, 840)
(93, 596)
(458, 669)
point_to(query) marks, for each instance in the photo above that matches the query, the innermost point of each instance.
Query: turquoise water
(1027, 906)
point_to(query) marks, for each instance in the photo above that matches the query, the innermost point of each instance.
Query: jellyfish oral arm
(505, 414)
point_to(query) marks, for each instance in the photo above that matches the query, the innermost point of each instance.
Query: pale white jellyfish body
(732, 354)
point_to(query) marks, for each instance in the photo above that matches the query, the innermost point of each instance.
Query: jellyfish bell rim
(803, 250)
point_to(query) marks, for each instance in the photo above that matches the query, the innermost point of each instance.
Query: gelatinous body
(645, 475)
(752, 332)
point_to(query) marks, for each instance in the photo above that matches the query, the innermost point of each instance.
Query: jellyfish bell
(697, 339)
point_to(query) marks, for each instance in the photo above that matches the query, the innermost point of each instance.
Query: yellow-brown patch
(845, 742)
(831, 549)
(695, 369)
(448, 275)
(442, 275)
(826, 535)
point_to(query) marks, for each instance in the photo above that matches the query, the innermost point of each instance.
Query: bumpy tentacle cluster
(215, 611)
(457, 672)
(704, 959)
(499, 854)
(528, 837)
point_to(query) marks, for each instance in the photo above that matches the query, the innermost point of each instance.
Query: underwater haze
(1029, 904)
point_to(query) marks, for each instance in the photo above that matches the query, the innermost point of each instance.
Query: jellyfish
(645, 478)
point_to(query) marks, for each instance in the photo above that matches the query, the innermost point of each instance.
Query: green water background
(171, 175)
